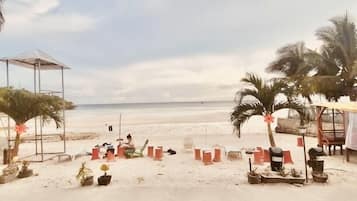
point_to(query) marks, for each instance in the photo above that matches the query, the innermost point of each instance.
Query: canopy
(349, 106)
(34, 59)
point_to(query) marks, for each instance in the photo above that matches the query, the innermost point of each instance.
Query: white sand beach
(180, 177)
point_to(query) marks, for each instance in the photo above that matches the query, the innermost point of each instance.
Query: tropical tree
(260, 98)
(338, 57)
(294, 62)
(22, 105)
(2, 20)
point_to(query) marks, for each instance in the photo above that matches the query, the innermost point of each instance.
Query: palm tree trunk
(353, 96)
(271, 137)
(17, 144)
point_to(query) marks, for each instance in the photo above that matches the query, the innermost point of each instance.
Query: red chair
(158, 154)
(197, 154)
(95, 153)
(120, 152)
(207, 158)
(217, 155)
(287, 157)
(300, 143)
(266, 155)
(151, 151)
(258, 157)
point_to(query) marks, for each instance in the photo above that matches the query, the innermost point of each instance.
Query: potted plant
(25, 172)
(84, 175)
(9, 173)
(295, 173)
(253, 177)
(104, 179)
(319, 177)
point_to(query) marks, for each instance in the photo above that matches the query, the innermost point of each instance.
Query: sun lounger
(137, 153)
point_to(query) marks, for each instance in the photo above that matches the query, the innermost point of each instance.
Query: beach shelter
(350, 123)
(38, 61)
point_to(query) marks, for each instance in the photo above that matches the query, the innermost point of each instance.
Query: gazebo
(338, 137)
(38, 61)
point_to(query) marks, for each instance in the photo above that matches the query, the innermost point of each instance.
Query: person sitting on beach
(129, 145)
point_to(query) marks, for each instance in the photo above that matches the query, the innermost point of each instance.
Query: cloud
(194, 78)
(29, 17)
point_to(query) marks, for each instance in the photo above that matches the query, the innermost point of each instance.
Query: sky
(124, 51)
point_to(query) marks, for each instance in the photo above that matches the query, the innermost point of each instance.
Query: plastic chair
(266, 155)
(207, 158)
(95, 153)
(300, 143)
(197, 154)
(258, 157)
(158, 154)
(120, 151)
(287, 157)
(151, 151)
(217, 155)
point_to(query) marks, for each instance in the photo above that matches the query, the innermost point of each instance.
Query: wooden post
(320, 110)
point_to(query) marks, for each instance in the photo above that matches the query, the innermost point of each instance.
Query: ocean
(97, 118)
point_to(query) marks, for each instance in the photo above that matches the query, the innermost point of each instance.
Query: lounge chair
(136, 153)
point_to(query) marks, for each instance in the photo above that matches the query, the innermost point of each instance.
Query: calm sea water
(97, 117)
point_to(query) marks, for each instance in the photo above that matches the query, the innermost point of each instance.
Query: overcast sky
(158, 50)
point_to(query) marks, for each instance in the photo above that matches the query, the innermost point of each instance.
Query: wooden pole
(303, 139)
(8, 117)
(34, 90)
(63, 113)
(39, 91)
(119, 126)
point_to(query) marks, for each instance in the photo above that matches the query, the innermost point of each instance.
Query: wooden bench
(333, 138)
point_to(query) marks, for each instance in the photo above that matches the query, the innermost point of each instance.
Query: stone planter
(253, 178)
(25, 173)
(104, 180)
(7, 178)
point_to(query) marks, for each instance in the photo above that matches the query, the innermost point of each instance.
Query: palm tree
(22, 105)
(262, 96)
(339, 56)
(294, 61)
(2, 20)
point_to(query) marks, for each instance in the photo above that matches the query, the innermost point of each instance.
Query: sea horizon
(155, 102)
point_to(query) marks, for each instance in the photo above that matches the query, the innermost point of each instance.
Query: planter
(88, 181)
(320, 177)
(26, 173)
(7, 178)
(280, 179)
(253, 179)
(104, 180)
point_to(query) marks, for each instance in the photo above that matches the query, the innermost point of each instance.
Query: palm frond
(253, 80)
(294, 105)
(243, 112)
(2, 19)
